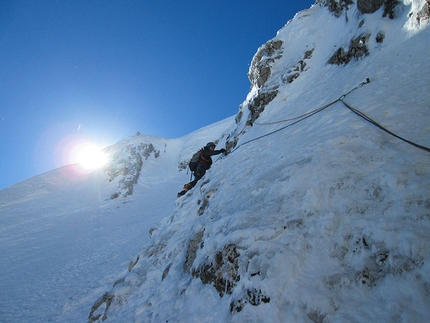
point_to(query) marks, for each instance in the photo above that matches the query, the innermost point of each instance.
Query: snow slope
(324, 218)
(63, 240)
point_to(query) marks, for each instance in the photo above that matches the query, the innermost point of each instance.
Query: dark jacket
(205, 156)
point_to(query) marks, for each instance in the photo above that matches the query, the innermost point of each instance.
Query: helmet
(210, 144)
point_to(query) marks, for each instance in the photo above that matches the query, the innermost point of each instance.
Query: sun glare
(90, 156)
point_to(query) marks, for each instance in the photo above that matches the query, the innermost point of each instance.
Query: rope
(316, 110)
(365, 117)
(303, 116)
(313, 112)
(307, 115)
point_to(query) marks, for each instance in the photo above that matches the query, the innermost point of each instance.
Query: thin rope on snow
(313, 112)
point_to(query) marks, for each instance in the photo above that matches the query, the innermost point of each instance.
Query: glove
(223, 151)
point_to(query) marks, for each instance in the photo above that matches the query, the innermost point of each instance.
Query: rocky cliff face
(126, 164)
(264, 84)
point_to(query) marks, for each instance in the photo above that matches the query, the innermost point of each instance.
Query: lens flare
(89, 156)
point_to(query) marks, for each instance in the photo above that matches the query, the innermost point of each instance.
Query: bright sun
(90, 156)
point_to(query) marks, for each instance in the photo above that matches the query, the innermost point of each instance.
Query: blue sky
(102, 70)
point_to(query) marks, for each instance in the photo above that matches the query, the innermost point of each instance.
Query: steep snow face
(321, 218)
(315, 215)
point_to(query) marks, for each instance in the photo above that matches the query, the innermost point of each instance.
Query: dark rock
(337, 7)
(390, 5)
(262, 62)
(292, 77)
(357, 49)
(369, 6)
(259, 103)
(95, 314)
(380, 37)
(222, 272)
(424, 13)
(193, 247)
(252, 296)
(316, 316)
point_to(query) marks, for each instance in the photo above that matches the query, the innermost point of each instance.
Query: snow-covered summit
(315, 215)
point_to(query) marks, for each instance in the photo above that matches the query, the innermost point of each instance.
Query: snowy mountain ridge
(309, 217)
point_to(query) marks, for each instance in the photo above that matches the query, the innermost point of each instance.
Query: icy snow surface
(327, 220)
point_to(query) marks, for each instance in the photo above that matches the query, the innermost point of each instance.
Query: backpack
(194, 161)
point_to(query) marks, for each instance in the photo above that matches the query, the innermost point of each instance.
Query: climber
(203, 163)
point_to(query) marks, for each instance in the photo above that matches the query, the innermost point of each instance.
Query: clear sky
(103, 70)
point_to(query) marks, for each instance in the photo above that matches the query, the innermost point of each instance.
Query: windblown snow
(314, 215)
